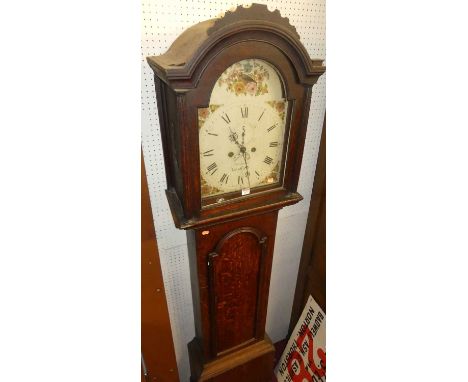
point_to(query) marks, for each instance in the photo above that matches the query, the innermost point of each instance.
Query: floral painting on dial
(204, 113)
(206, 189)
(247, 77)
(280, 107)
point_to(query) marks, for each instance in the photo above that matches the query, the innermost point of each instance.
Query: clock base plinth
(231, 229)
(253, 363)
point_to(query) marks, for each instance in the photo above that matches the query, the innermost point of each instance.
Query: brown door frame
(157, 346)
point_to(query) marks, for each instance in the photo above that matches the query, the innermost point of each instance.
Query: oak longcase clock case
(233, 99)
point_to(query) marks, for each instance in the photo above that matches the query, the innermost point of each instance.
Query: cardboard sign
(303, 359)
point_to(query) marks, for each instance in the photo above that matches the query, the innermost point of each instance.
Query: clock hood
(181, 66)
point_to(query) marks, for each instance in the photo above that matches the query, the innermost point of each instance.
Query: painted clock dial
(242, 132)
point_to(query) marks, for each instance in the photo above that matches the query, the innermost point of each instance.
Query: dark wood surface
(311, 278)
(184, 78)
(250, 364)
(230, 301)
(181, 65)
(156, 336)
(234, 273)
(219, 238)
(230, 243)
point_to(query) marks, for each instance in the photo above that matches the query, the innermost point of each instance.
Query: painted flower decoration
(203, 113)
(245, 78)
(239, 87)
(251, 88)
(280, 107)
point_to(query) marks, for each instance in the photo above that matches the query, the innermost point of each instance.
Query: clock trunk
(231, 239)
(230, 264)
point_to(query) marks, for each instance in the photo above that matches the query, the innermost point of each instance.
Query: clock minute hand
(234, 139)
(242, 150)
(233, 136)
(246, 167)
(244, 153)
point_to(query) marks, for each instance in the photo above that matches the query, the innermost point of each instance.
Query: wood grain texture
(234, 273)
(180, 65)
(251, 364)
(230, 242)
(184, 88)
(156, 336)
(242, 281)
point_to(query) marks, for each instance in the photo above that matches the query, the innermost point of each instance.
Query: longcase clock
(233, 98)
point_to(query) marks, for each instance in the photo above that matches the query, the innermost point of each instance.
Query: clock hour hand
(242, 150)
(244, 153)
(246, 167)
(233, 137)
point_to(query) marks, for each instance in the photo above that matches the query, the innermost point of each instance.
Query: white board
(304, 358)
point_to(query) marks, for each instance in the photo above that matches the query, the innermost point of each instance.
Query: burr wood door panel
(235, 270)
(230, 265)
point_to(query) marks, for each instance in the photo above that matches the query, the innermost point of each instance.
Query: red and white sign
(303, 360)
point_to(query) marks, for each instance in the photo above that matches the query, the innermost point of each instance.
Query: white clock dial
(241, 147)
(241, 133)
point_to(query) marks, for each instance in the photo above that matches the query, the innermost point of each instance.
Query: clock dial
(242, 132)
(241, 147)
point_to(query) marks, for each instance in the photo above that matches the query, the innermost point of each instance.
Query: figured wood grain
(230, 243)
(185, 87)
(234, 273)
(201, 246)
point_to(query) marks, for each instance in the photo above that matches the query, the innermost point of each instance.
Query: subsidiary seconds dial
(241, 147)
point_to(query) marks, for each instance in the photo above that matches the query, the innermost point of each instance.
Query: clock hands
(246, 168)
(244, 153)
(248, 143)
(233, 136)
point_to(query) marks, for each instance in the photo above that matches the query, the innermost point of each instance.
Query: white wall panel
(162, 22)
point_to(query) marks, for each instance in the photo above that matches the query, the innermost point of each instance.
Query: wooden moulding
(184, 55)
(251, 364)
(185, 76)
(241, 261)
(271, 204)
(230, 239)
